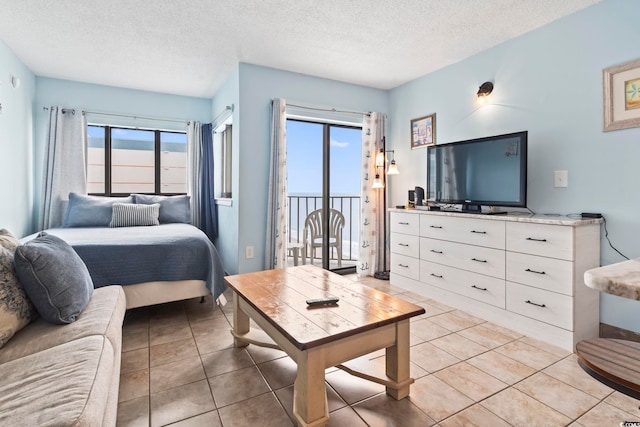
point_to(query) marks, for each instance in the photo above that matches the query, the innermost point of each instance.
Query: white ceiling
(189, 47)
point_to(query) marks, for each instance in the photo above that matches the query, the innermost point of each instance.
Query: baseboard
(609, 331)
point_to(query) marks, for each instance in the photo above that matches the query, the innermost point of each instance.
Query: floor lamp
(381, 161)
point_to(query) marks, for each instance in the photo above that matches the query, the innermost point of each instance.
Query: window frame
(157, 159)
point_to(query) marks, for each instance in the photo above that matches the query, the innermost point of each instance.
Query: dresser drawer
(553, 241)
(405, 223)
(405, 244)
(405, 266)
(467, 257)
(479, 287)
(471, 231)
(546, 273)
(548, 307)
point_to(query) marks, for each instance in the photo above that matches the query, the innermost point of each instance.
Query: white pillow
(130, 215)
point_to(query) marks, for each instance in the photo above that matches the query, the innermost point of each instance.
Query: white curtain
(277, 227)
(194, 167)
(65, 163)
(372, 243)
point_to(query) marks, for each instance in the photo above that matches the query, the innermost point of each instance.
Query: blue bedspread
(129, 255)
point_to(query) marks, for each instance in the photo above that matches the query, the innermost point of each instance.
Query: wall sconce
(484, 90)
(380, 163)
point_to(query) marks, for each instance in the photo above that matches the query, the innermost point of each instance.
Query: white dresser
(522, 272)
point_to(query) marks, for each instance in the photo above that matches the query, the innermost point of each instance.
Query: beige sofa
(65, 375)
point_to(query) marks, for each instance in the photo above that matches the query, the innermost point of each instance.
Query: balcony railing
(300, 206)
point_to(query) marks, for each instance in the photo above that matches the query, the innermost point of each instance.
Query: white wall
(549, 83)
(16, 138)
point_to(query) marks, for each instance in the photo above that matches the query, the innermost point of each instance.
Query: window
(123, 161)
(222, 143)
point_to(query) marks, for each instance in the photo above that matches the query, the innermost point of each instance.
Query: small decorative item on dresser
(423, 131)
(621, 96)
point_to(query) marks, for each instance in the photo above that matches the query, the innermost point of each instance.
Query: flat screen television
(489, 171)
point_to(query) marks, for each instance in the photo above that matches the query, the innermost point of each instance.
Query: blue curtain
(208, 213)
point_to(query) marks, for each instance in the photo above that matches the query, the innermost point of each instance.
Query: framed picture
(423, 131)
(621, 96)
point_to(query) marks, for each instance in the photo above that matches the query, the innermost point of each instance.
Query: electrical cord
(606, 235)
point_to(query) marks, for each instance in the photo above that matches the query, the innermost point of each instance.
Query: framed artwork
(621, 96)
(423, 131)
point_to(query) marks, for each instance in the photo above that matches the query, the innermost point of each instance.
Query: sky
(304, 159)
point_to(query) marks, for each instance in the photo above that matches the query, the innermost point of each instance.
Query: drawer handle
(533, 303)
(533, 271)
(436, 275)
(436, 252)
(478, 260)
(478, 232)
(536, 240)
(435, 226)
(403, 265)
(403, 244)
(476, 287)
(403, 223)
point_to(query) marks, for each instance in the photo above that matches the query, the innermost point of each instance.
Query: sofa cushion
(64, 385)
(172, 208)
(54, 277)
(132, 215)
(8, 240)
(90, 211)
(16, 311)
(103, 316)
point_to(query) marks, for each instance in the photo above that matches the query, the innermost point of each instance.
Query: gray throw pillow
(172, 208)
(132, 215)
(54, 277)
(90, 211)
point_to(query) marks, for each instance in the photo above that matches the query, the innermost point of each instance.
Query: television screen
(488, 171)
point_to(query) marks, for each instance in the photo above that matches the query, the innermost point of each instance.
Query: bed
(168, 261)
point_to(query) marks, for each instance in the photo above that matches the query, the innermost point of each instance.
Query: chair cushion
(172, 208)
(91, 211)
(54, 277)
(132, 215)
(16, 311)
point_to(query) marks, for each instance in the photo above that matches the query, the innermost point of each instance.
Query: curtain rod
(99, 113)
(227, 108)
(332, 110)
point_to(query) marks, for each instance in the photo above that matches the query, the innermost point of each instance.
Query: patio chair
(313, 233)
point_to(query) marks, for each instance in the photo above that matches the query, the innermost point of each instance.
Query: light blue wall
(548, 82)
(258, 86)
(228, 216)
(16, 137)
(108, 99)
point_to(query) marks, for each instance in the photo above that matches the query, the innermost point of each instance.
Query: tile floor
(179, 368)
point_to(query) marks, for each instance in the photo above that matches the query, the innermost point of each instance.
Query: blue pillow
(54, 277)
(172, 208)
(90, 211)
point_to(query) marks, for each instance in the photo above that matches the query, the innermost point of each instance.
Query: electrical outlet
(560, 179)
(248, 252)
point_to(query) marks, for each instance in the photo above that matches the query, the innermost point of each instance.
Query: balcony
(302, 205)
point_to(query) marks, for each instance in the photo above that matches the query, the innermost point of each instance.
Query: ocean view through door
(323, 175)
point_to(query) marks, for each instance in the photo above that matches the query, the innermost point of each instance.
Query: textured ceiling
(189, 47)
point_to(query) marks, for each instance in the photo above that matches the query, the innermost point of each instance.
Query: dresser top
(511, 216)
(621, 279)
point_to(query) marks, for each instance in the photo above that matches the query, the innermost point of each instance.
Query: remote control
(322, 301)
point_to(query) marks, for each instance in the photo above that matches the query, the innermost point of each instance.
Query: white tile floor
(179, 368)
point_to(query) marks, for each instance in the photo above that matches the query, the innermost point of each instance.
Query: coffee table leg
(397, 362)
(309, 391)
(240, 322)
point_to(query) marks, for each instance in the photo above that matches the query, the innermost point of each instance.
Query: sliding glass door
(323, 173)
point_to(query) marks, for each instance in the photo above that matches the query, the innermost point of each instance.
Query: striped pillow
(130, 215)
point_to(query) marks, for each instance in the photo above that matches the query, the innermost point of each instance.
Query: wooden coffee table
(363, 321)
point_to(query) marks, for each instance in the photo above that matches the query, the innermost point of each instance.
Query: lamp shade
(393, 168)
(377, 183)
